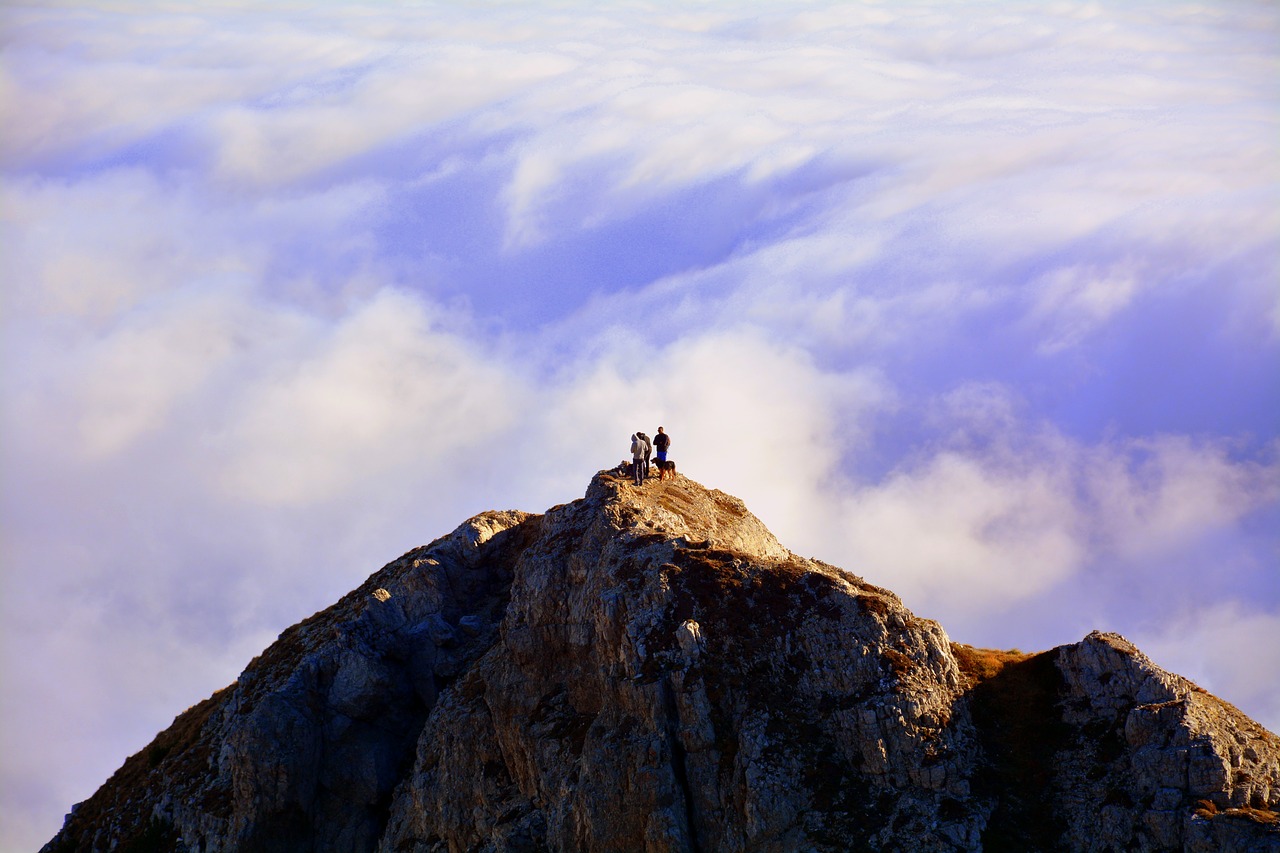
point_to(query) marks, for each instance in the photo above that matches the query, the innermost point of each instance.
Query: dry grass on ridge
(979, 665)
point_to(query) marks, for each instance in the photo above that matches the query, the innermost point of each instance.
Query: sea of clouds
(977, 300)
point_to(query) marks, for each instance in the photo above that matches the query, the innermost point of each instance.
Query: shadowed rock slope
(649, 669)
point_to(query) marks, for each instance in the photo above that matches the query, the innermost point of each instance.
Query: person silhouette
(638, 448)
(648, 452)
(661, 442)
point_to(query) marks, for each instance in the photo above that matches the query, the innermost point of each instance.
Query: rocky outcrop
(1151, 759)
(649, 669)
(305, 750)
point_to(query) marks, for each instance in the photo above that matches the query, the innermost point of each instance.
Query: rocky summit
(649, 669)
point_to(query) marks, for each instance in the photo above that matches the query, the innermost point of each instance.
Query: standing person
(637, 457)
(661, 442)
(648, 451)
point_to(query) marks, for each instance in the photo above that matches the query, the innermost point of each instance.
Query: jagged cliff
(649, 669)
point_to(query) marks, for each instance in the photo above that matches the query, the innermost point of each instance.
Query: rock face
(648, 669)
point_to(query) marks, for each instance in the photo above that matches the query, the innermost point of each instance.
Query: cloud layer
(975, 300)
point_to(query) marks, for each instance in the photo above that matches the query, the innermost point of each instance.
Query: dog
(665, 467)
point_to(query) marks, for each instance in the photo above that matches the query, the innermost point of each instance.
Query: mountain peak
(684, 511)
(649, 668)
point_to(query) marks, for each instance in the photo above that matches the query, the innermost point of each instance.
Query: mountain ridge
(648, 668)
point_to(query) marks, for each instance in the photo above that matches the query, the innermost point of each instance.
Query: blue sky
(977, 300)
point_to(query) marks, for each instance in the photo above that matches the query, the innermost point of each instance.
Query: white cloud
(969, 532)
(1003, 512)
(388, 384)
(91, 249)
(1153, 496)
(882, 271)
(129, 382)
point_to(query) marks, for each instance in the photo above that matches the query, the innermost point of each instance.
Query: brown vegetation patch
(1264, 816)
(1209, 810)
(743, 599)
(873, 604)
(898, 663)
(877, 590)
(979, 665)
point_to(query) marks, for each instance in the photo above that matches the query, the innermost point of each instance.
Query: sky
(977, 300)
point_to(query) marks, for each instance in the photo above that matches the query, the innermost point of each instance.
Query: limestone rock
(650, 669)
